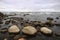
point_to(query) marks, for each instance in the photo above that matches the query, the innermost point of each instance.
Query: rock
(7, 21)
(21, 39)
(57, 32)
(57, 17)
(12, 35)
(45, 30)
(1, 22)
(13, 29)
(29, 30)
(1, 15)
(5, 39)
(50, 18)
(3, 30)
(18, 37)
(43, 23)
(51, 23)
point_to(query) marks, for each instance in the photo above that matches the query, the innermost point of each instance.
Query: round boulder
(45, 30)
(14, 29)
(29, 30)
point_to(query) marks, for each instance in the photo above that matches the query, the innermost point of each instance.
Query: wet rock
(57, 17)
(5, 39)
(29, 30)
(15, 22)
(1, 22)
(26, 14)
(50, 18)
(50, 23)
(35, 23)
(55, 21)
(45, 30)
(57, 33)
(16, 37)
(12, 35)
(1, 15)
(7, 21)
(43, 23)
(26, 24)
(14, 29)
(3, 30)
(21, 39)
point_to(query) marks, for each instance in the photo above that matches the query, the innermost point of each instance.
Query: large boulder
(45, 30)
(13, 29)
(29, 30)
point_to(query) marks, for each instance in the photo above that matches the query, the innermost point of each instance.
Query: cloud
(33, 5)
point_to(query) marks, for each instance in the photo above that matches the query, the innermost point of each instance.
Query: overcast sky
(28, 5)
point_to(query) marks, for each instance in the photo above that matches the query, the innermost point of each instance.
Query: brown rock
(4, 30)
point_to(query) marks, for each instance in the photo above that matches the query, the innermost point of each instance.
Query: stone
(21, 39)
(14, 29)
(45, 30)
(50, 18)
(3, 30)
(51, 23)
(43, 23)
(16, 37)
(5, 39)
(29, 30)
(57, 32)
(57, 17)
(7, 21)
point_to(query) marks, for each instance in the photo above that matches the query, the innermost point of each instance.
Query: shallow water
(38, 36)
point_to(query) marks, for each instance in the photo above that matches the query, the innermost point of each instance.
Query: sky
(29, 5)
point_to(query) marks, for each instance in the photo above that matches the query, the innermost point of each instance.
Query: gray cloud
(30, 4)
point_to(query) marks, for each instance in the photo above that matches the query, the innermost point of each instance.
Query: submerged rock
(7, 21)
(50, 18)
(3, 30)
(57, 32)
(18, 37)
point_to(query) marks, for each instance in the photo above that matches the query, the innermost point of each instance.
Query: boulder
(14, 29)
(45, 30)
(29, 30)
